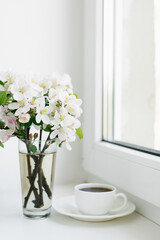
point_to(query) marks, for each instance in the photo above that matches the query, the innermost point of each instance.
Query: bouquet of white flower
(49, 105)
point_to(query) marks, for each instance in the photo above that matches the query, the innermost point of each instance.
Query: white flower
(74, 110)
(4, 136)
(3, 115)
(55, 80)
(61, 81)
(56, 95)
(8, 118)
(53, 94)
(50, 100)
(75, 124)
(66, 83)
(33, 81)
(21, 106)
(42, 111)
(60, 117)
(44, 85)
(11, 122)
(24, 117)
(68, 146)
(21, 88)
(8, 76)
(32, 102)
(73, 105)
(64, 133)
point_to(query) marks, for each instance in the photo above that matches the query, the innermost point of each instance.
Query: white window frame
(135, 172)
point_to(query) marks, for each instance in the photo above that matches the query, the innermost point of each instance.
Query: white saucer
(67, 206)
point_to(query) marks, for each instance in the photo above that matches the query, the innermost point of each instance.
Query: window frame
(112, 46)
(135, 172)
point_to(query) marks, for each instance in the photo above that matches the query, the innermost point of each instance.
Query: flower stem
(36, 201)
(45, 186)
(35, 171)
(42, 180)
(40, 138)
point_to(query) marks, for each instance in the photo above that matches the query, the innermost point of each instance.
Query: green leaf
(60, 144)
(2, 83)
(33, 149)
(1, 144)
(9, 97)
(79, 132)
(75, 94)
(3, 95)
(48, 128)
(2, 124)
(34, 121)
(46, 102)
(21, 133)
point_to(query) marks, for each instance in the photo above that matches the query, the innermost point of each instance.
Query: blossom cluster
(48, 103)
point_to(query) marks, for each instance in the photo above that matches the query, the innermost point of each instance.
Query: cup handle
(121, 195)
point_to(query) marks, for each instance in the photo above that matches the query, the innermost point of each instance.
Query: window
(135, 172)
(131, 93)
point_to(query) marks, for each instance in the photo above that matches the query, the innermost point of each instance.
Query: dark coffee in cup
(96, 189)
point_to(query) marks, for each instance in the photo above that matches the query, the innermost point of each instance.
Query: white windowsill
(14, 226)
(134, 172)
(135, 156)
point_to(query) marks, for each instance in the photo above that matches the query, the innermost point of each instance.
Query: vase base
(37, 214)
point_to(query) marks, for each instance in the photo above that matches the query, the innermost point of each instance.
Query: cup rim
(80, 186)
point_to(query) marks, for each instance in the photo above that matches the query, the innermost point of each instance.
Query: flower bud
(35, 135)
(30, 136)
(59, 103)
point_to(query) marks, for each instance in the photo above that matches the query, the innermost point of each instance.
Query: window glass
(131, 70)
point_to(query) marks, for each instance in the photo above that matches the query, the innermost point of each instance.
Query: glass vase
(37, 167)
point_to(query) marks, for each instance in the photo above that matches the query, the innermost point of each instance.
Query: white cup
(100, 202)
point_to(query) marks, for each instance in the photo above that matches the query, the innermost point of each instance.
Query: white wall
(42, 36)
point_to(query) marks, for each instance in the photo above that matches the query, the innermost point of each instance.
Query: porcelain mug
(97, 199)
